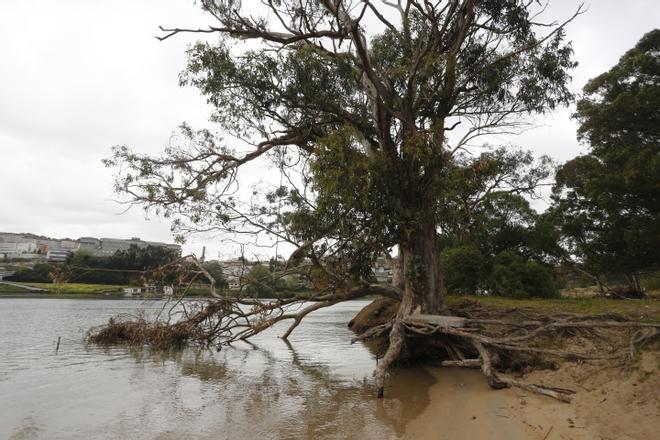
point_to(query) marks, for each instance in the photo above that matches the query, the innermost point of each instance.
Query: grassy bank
(644, 310)
(5, 288)
(96, 289)
(67, 288)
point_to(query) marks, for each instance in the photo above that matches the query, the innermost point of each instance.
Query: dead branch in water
(223, 320)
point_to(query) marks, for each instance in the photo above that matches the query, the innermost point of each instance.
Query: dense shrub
(515, 277)
(40, 273)
(464, 269)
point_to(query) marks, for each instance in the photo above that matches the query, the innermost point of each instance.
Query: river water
(316, 386)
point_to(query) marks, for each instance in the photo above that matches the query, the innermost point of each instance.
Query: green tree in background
(215, 269)
(124, 267)
(260, 281)
(486, 211)
(464, 268)
(607, 202)
(39, 273)
(519, 278)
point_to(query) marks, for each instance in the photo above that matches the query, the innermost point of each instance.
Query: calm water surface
(316, 386)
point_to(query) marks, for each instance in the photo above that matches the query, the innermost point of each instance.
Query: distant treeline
(124, 267)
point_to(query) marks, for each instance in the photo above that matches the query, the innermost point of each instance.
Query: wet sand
(462, 406)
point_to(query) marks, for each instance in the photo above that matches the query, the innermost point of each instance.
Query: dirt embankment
(375, 313)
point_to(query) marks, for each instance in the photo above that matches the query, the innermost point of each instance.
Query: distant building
(107, 247)
(130, 291)
(17, 248)
(383, 270)
(236, 272)
(138, 291)
(89, 244)
(58, 256)
(32, 246)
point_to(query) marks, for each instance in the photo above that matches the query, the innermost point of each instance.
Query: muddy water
(317, 386)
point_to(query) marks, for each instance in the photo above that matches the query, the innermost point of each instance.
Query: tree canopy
(608, 201)
(365, 108)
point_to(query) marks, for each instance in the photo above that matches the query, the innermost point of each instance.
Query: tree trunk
(423, 289)
(636, 284)
(423, 281)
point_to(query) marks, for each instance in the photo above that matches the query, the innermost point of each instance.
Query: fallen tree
(472, 336)
(365, 108)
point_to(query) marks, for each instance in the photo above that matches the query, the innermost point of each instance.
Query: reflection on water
(316, 386)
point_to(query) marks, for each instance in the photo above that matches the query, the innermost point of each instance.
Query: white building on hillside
(236, 272)
(36, 246)
(58, 256)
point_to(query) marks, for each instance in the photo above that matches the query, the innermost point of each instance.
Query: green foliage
(260, 282)
(143, 257)
(214, 268)
(608, 201)
(122, 268)
(464, 269)
(78, 288)
(514, 277)
(485, 205)
(364, 115)
(498, 223)
(39, 273)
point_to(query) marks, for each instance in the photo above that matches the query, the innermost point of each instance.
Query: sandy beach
(609, 404)
(462, 406)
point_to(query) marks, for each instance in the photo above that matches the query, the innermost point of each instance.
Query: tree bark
(636, 284)
(423, 280)
(423, 291)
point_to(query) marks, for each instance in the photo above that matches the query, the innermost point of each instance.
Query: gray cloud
(77, 77)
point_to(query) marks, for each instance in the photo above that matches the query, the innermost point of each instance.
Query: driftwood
(466, 363)
(445, 321)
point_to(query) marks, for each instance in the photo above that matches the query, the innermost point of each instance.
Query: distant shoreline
(53, 295)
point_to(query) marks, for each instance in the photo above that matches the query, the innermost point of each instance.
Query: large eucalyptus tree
(370, 101)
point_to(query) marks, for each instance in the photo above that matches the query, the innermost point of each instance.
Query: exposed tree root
(522, 337)
(498, 341)
(397, 337)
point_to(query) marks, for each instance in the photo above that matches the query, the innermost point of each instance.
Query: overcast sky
(79, 76)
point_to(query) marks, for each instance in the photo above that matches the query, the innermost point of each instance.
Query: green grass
(644, 310)
(76, 288)
(4, 288)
